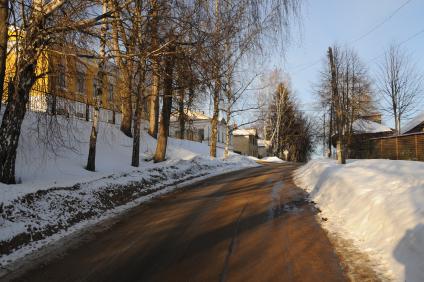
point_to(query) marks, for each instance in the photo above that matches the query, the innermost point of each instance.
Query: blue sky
(326, 22)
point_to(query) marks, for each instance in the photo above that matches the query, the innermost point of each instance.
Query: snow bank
(56, 195)
(377, 203)
(272, 160)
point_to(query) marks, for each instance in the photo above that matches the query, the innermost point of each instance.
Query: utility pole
(323, 138)
(339, 115)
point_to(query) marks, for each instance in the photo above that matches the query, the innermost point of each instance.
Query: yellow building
(68, 83)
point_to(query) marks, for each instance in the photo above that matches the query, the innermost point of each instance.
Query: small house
(198, 128)
(264, 148)
(363, 131)
(245, 142)
(414, 126)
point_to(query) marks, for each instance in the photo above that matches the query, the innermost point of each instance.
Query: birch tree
(101, 80)
(37, 25)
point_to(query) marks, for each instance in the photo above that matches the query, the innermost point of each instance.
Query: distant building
(245, 142)
(414, 126)
(198, 128)
(70, 85)
(264, 148)
(374, 117)
(363, 131)
(370, 128)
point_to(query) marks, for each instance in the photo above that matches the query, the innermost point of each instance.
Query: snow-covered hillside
(46, 160)
(56, 195)
(377, 203)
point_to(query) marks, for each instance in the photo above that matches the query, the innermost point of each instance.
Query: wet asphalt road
(251, 225)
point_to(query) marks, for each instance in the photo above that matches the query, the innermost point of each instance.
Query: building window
(201, 134)
(81, 82)
(110, 96)
(61, 77)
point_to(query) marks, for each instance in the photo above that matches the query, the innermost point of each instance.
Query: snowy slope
(56, 195)
(40, 166)
(377, 203)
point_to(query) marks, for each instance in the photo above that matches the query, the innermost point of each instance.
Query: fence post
(397, 148)
(381, 148)
(416, 147)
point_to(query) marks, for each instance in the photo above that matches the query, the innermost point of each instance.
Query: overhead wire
(303, 67)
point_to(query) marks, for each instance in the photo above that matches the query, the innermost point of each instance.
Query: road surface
(251, 225)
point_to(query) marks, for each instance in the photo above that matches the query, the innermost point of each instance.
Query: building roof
(368, 126)
(192, 115)
(244, 132)
(412, 123)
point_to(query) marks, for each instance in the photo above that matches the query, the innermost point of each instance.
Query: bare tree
(399, 85)
(123, 52)
(153, 98)
(346, 93)
(287, 128)
(101, 83)
(4, 30)
(37, 26)
(245, 24)
(163, 132)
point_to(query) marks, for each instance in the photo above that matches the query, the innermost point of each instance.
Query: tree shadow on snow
(410, 252)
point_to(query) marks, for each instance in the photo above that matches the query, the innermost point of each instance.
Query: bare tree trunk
(163, 132)
(126, 82)
(154, 93)
(12, 121)
(154, 101)
(4, 15)
(330, 131)
(135, 161)
(91, 160)
(181, 113)
(139, 110)
(227, 132)
(126, 111)
(215, 117)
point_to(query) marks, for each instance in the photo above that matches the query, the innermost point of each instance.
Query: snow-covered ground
(379, 204)
(56, 195)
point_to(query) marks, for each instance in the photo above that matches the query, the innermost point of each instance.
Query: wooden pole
(416, 147)
(381, 148)
(397, 148)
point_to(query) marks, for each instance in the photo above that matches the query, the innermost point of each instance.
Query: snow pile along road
(272, 160)
(379, 204)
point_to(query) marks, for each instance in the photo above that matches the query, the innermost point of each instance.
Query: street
(251, 225)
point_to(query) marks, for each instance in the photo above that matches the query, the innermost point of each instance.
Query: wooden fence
(403, 147)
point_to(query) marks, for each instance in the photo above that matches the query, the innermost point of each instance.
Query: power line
(400, 44)
(307, 66)
(377, 26)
